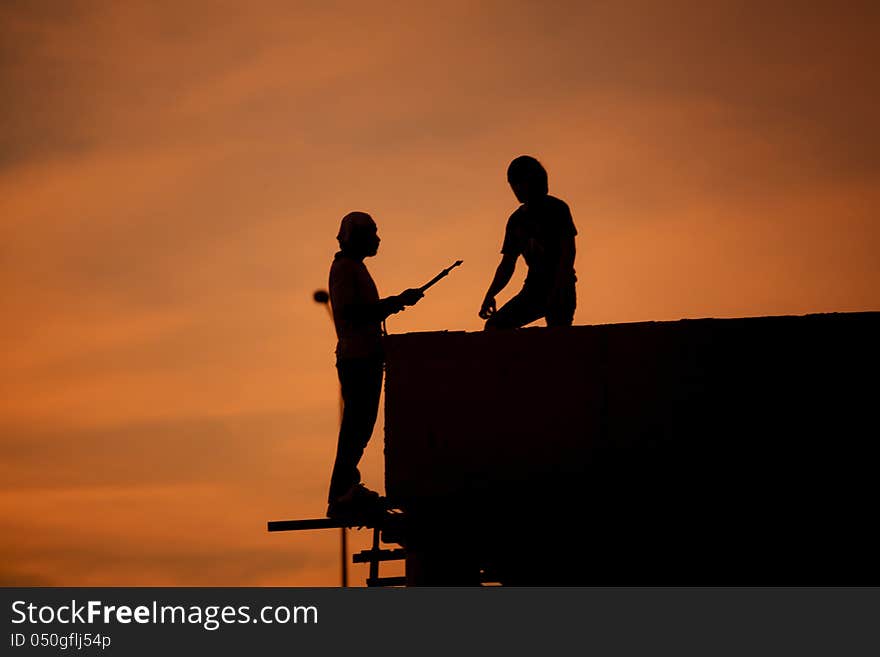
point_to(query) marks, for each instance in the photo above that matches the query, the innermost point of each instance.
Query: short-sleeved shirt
(537, 231)
(352, 286)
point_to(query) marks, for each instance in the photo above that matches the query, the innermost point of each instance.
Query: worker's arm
(391, 305)
(503, 274)
(373, 312)
(347, 304)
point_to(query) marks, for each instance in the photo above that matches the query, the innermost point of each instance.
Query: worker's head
(527, 178)
(358, 235)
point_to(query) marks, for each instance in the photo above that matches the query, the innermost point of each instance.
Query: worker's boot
(359, 502)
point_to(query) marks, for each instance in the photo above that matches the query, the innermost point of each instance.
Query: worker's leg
(561, 312)
(361, 385)
(522, 309)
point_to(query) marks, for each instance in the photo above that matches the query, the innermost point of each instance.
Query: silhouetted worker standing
(542, 231)
(358, 313)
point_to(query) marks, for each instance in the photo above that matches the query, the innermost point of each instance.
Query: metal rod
(374, 563)
(323, 297)
(440, 275)
(343, 535)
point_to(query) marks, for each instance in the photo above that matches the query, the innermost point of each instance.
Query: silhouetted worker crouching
(542, 231)
(358, 313)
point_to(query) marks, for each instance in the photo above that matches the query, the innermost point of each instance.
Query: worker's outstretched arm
(391, 305)
(347, 303)
(370, 312)
(502, 277)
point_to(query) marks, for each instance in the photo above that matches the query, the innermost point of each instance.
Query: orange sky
(171, 180)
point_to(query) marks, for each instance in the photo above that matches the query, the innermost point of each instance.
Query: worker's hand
(488, 307)
(411, 296)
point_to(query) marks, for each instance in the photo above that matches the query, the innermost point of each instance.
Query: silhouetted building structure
(716, 451)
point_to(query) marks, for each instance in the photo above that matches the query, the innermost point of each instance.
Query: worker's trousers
(360, 381)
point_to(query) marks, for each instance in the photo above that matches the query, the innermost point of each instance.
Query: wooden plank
(317, 523)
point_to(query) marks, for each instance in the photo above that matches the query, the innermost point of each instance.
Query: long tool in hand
(427, 285)
(440, 275)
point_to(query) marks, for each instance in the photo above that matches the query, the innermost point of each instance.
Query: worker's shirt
(354, 299)
(538, 231)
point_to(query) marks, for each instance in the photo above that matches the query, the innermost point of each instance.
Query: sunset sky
(172, 176)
